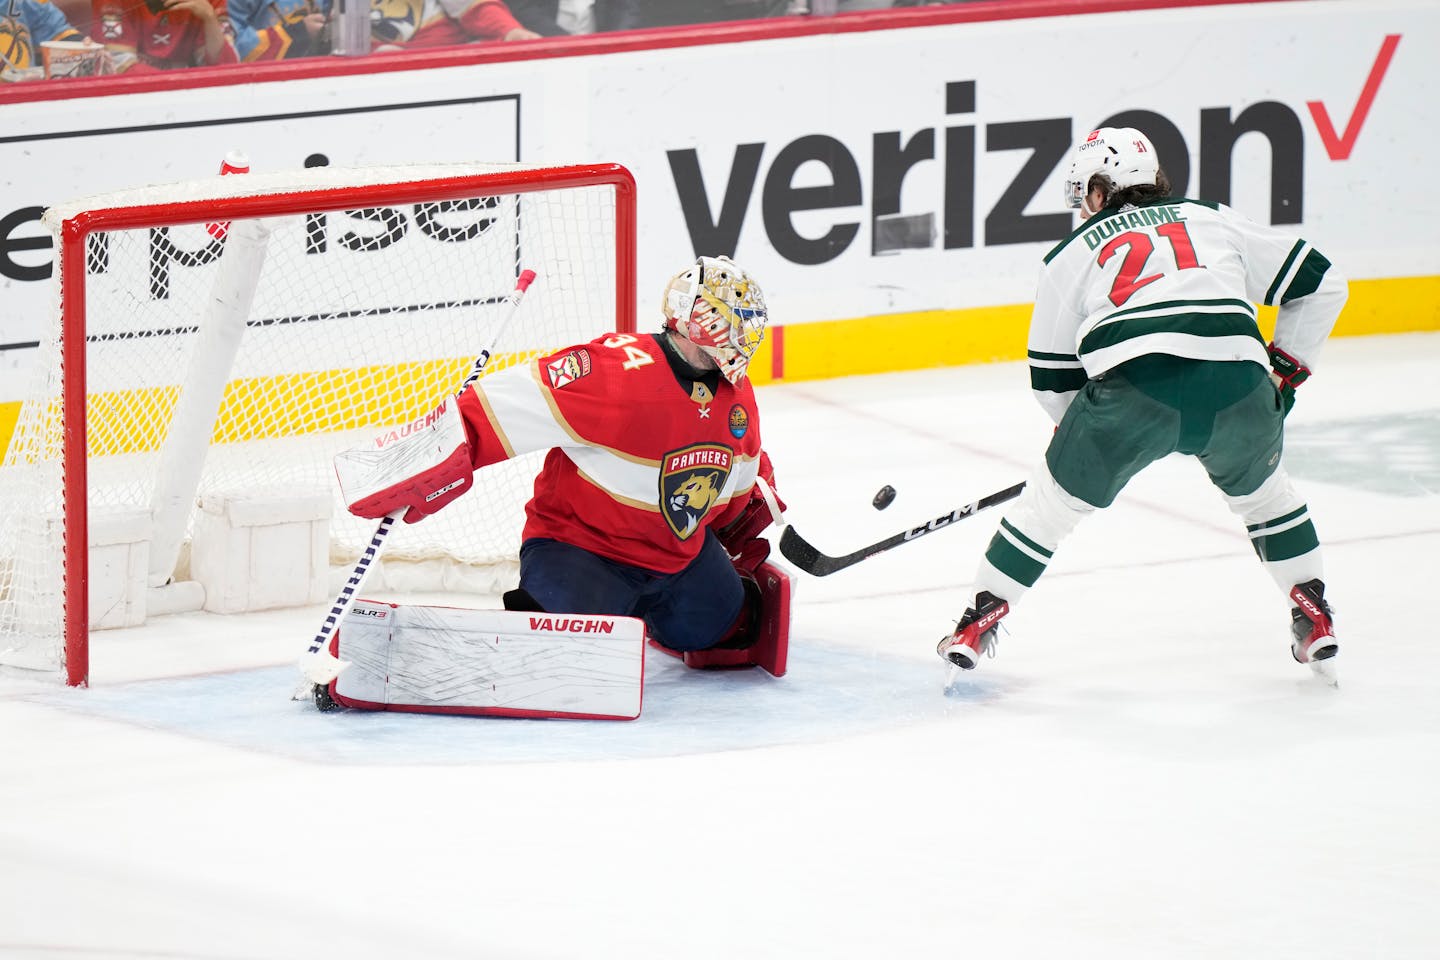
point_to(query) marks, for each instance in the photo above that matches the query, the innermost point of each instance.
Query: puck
(883, 497)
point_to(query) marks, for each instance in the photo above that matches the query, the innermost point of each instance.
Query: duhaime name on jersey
(1144, 217)
(954, 219)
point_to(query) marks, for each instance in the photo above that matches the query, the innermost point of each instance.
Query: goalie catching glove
(1288, 373)
(418, 467)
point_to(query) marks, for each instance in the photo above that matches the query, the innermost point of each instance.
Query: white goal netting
(231, 355)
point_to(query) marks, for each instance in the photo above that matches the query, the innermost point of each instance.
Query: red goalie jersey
(643, 457)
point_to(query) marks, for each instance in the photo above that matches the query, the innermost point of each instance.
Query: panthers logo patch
(691, 480)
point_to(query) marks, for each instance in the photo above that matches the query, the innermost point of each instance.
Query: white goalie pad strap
(421, 465)
(491, 662)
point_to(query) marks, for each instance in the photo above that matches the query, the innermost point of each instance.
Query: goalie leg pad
(504, 663)
(770, 629)
(418, 468)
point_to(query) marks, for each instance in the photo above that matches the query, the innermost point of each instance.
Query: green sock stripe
(1007, 525)
(1288, 544)
(1012, 561)
(1278, 521)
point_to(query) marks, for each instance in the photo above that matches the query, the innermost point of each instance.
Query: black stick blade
(803, 554)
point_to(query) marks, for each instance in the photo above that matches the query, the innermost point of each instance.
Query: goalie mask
(716, 306)
(1123, 155)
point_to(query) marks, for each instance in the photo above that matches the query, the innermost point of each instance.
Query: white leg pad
(490, 662)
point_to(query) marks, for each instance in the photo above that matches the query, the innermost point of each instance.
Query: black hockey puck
(883, 497)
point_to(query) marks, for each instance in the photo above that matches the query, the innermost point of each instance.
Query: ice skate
(1312, 629)
(974, 635)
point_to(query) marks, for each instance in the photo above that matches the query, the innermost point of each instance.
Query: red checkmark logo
(1339, 147)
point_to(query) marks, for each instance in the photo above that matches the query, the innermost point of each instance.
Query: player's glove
(418, 472)
(741, 536)
(1288, 373)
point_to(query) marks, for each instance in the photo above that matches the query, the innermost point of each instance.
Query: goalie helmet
(716, 306)
(1124, 155)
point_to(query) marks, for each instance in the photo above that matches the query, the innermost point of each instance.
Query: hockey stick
(318, 664)
(804, 554)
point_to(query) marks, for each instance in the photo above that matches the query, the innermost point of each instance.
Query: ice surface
(1142, 772)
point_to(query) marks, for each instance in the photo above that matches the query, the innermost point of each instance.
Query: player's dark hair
(1140, 194)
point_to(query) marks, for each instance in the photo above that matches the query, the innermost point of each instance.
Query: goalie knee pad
(761, 636)
(418, 468)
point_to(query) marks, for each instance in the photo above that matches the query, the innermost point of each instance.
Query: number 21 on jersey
(1139, 246)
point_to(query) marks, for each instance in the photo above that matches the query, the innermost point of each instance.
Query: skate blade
(953, 685)
(1325, 670)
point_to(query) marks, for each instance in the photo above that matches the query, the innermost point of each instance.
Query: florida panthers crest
(691, 479)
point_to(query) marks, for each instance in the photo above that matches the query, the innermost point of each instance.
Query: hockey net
(225, 338)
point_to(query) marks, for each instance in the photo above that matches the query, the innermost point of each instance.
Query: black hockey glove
(1289, 374)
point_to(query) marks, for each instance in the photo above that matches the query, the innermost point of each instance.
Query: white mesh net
(359, 318)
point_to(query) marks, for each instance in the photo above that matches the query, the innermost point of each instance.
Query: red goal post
(190, 374)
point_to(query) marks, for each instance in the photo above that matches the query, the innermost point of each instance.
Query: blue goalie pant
(690, 610)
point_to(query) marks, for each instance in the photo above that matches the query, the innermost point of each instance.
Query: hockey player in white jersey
(1144, 342)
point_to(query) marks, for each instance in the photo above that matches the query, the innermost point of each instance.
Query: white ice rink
(1143, 772)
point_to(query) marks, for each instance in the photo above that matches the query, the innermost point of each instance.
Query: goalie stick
(317, 663)
(808, 558)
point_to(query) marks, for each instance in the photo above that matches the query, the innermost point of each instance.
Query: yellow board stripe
(9, 413)
(942, 338)
(811, 351)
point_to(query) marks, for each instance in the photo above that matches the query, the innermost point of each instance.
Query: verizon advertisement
(854, 173)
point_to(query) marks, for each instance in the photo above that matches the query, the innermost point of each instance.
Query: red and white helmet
(1123, 154)
(716, 306)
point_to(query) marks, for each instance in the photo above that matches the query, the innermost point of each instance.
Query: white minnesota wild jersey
(1178, 277)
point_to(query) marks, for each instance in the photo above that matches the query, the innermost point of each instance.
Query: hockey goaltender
(644, 525)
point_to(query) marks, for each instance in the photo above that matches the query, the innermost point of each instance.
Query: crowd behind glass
(48, 39)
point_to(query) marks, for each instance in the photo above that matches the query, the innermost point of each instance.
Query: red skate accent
(969, 636)
(1322, 628)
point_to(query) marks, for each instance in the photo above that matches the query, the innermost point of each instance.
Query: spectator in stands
(280, 29)
(407, 24)
(639, 14)
(576, 16)
(25, 25)
(147, 35)
(541, 16)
